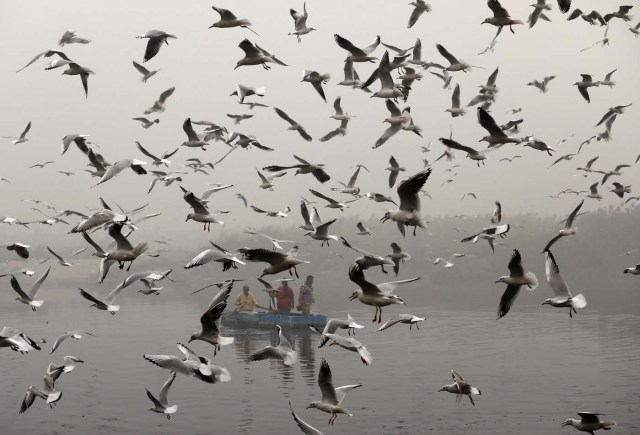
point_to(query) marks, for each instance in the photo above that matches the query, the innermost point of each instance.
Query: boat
(265, 319)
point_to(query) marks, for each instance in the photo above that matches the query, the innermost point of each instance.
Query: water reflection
(249, 340)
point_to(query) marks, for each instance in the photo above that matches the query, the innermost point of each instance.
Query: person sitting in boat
(284, 298)
(305, 296)
(246, 302)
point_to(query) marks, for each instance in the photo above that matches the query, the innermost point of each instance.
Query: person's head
(245, 289)
(309, 280)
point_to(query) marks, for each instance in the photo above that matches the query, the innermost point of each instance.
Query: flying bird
(155, 40)
(515, 280)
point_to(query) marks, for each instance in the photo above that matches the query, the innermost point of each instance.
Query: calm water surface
(535, 368)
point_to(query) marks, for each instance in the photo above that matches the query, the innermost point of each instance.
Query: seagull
(496, 135)
(333, 325)
(161, 405)
(378, 197)
(350, 75)
(281, 351)
(294, 125)
(62, 261)
(159, 105)
(41, 165)
(332, 202)
(379, 295)
(408, 213)
(448, 263)
(69, 365)
(300, 22)
(538, 7)
(388, 88)
(321, 232)
(74, 69)
(460, 387)
(28, 299)
(397, 256)
(123, 252)
(584, 85)
(241, 197)
(368, 259)
(146, 74)
(589, 421)
(455, 103)
(121, 165)
(331, 397)
(317, 80)
(635, 30)
(357, 54)
(350, 187)
(156, 38)
(254, 55)
(419, 8)
(23, 136)
(592, 18)
(157, 161)
(622, 13)
(500, 16)
(48, 393)
(106, 304)
(620, 190)
(408, 319)
(631, 270)
(593, 192)
(278, 261)
(616, 171)
(445, 77)
(228, 19)
(310, 222)
(562, 295)
(394, 169)
(146, 123)
(478, 156)
(17, 340)
(564, 5)
(304, 167)
(542, 86)
(267, 182)
(275, 242)
(454, 63)
(79, 139)
(239, 118)
(69, 37)
(568, 230)
(76, 333)
(397, 121)
(243, 91)
(148, 277)
(515, 280)
(20, 248)
(271, 213)
(194, 365)
(210, 321)
(303, 425)
(362, 230)
(613, 111)
(537, 144)
(48, 53)
(200, 211)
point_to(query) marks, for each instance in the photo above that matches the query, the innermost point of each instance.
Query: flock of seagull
(397, 72)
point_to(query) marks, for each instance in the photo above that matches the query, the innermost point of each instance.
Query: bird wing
(352, 180)
(497, 9)
(16, 286)
(304, 134)
(304, 211)
(341, 392)
(455, 145)
(388, 133)
(264, 255)
(320, 195)
(455, 98)
(488, 123)
(188, 129)
(393, 109)
(170, 362)
(89, 297)
(515, 264)
(589, 417)
(443, 51)
(284, 116)
(585, 93)
(210, 320)
(389, 287)
(318, 87)
(55, 255)
(121, 241)
(142, 70)
(195, 203)
(389, 323)
(153, 47)
(573, 215)
(507, 299)
(347, 45)
(156, 402)
(326, 385)
(324, 228)
(555, 280)
(551, 242)
(303, 425)
(415, 14)
(408, 191)
(36, 285)
(26, 130)
(145, 152)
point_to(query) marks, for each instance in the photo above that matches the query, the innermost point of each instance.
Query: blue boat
(262, 320)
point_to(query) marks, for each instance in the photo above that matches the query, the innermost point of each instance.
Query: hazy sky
(200, 65)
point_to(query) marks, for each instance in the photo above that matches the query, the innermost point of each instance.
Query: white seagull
(562, 295)
(281, 351)
(28, 298)
(161, 404)
(515, 280)
(331, 397)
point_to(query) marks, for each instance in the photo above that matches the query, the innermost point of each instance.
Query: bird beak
(352, 297)
(497, 281)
